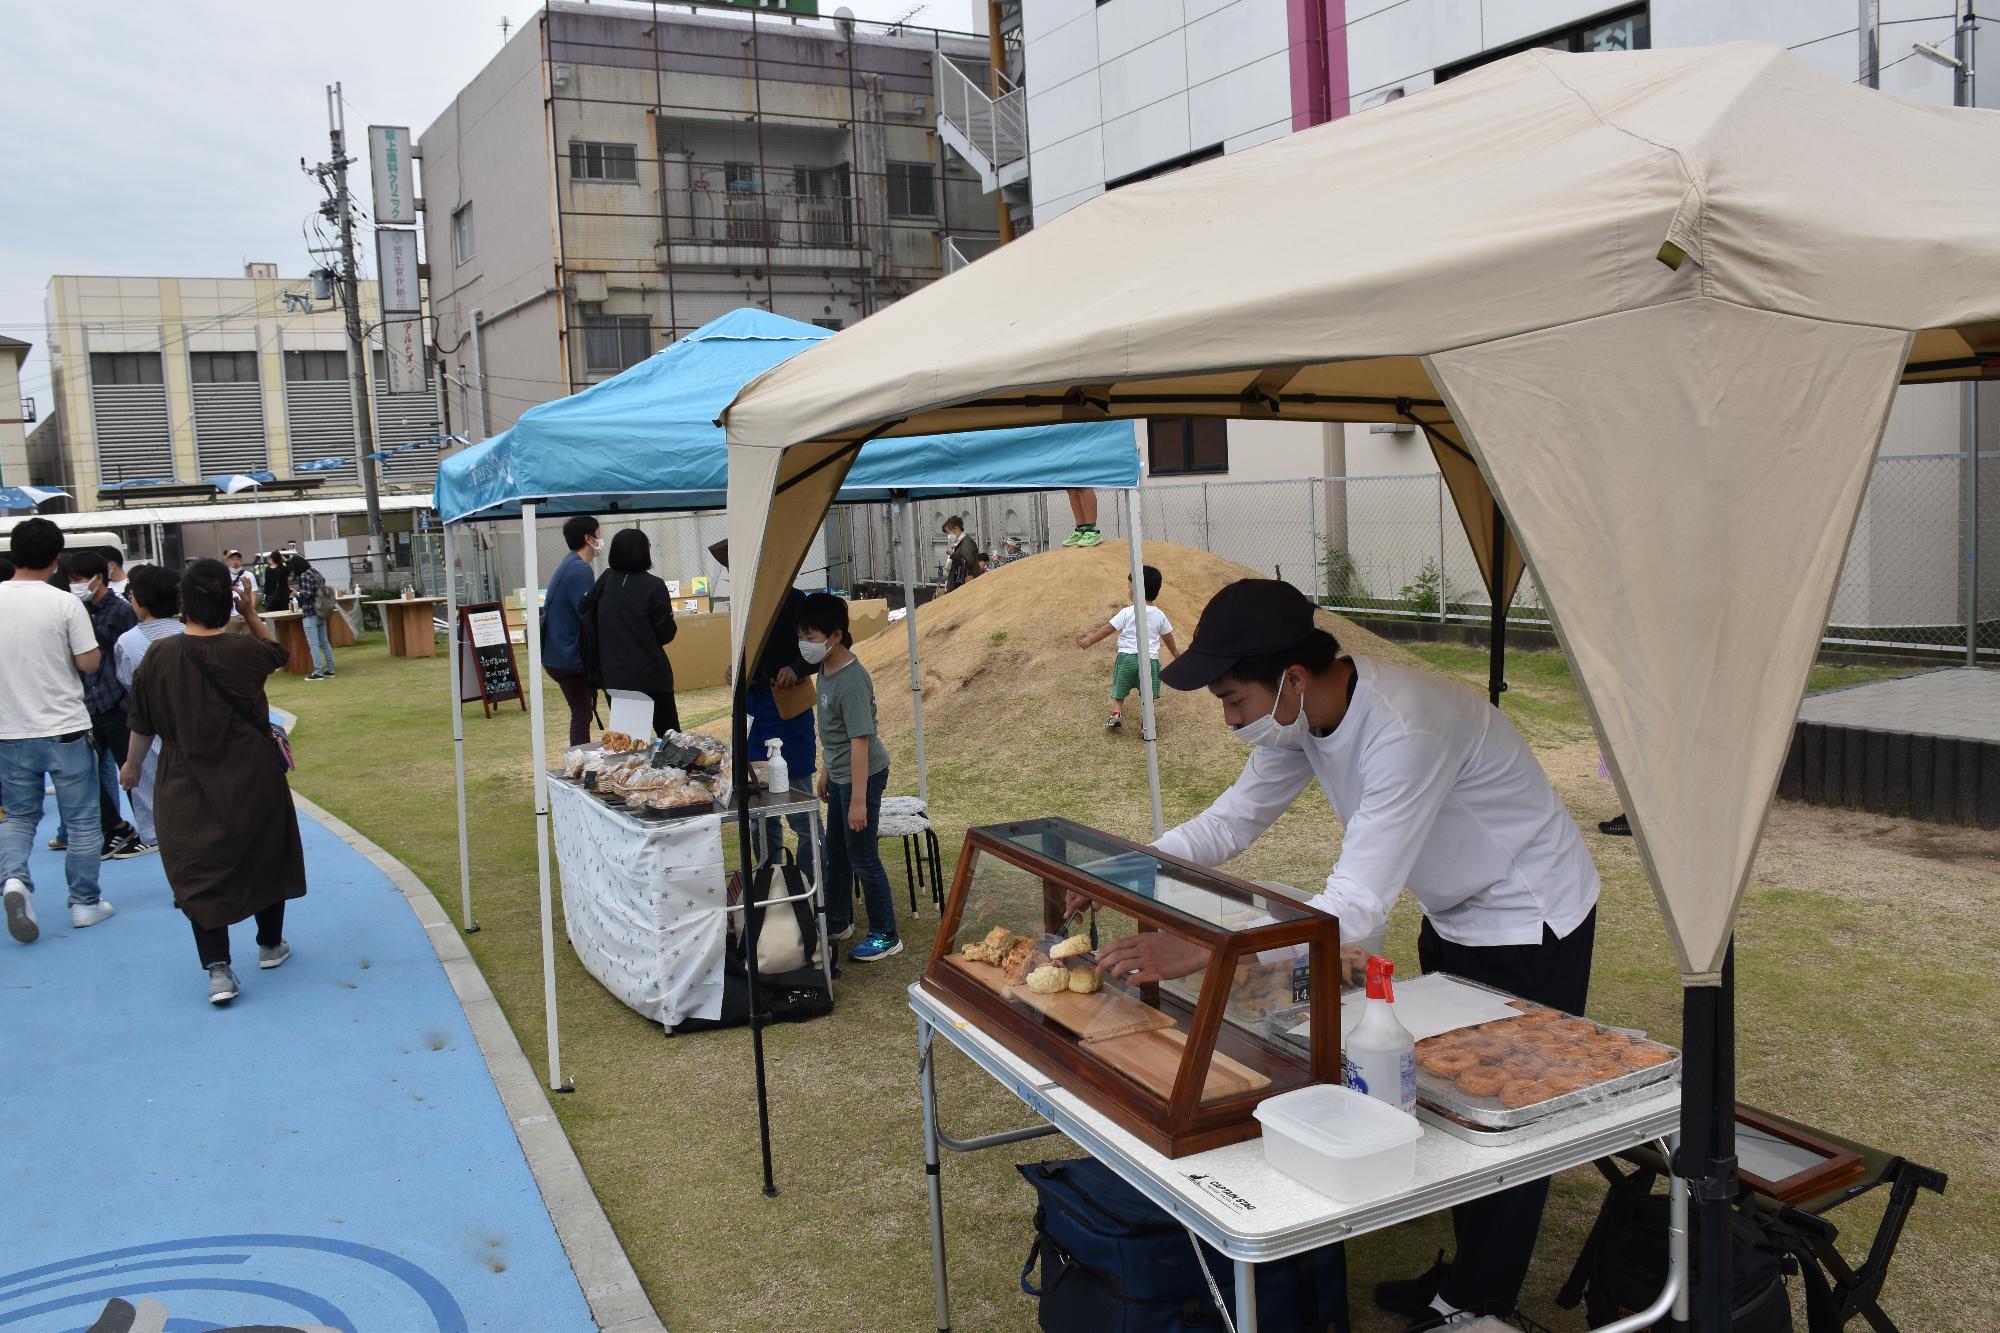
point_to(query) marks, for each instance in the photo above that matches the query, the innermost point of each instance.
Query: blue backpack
(1114, 1262)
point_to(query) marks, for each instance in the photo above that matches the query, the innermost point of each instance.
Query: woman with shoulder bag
(316, 601)
(229, 837)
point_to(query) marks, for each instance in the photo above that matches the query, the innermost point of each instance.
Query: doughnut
(1561, 1084)
(1526, 1064)
(1569, 1053)
(1604, 1068)
(1448, 1064)
(1500, 1025)
(1484, 1081)
(1489, 1046)
(1579, 1029)
(1637, 1056)
(1523, 1092)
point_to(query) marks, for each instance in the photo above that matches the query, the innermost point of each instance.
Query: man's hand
(128, 775)
(820, 784)
(786, 678)
(857, 814)
(1353, 966)
(729, 674)
(1151, 955)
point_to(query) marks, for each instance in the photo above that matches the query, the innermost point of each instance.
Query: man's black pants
(1496, 1235)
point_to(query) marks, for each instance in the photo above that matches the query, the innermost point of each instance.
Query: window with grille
(301, 366)
(461, 234)
(602, 161)
(614, 342)
(125, 368)
(912, 190)
(222, 367)
(834, 324)
(1181, 445)
(1623, 30)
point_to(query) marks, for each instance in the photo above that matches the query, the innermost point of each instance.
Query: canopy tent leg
(531, 611)
(753, 919)
(910, 623)
(457, 731)
(1496, 649)
(1141, 628)
(1707, 1159)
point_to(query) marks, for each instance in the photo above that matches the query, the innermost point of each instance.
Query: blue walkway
(328, 1150)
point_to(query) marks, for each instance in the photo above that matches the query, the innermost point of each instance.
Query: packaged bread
(1071, 947)
(1049, 980)
(1085, 981)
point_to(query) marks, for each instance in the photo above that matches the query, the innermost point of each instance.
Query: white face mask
(81, 590)
(812, 652)
(1267, 733)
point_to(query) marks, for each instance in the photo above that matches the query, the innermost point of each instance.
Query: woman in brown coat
(228, 835)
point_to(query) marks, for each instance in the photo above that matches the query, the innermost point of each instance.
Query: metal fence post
(1971, 392)
(1444, 602)
(1316, 560)
(1205, 543)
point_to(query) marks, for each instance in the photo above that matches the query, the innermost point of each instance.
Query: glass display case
(1169, 997)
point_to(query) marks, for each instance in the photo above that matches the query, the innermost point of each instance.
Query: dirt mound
(1014, 711)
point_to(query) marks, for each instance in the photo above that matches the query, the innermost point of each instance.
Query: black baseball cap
(1249, 617)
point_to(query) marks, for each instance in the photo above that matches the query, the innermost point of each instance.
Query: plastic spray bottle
(1378, 1053)
(777, 777)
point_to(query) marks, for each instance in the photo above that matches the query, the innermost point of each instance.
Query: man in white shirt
(1438, 793)
(239, 577)
(45, 730)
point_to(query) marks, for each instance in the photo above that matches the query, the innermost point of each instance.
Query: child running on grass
(851, 781)
(1125, 670)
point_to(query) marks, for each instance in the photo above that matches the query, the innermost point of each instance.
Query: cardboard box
(700, 650)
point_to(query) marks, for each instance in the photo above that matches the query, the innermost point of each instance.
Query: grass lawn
(1865, 978)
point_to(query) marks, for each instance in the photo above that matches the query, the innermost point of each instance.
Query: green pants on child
(1125, 677)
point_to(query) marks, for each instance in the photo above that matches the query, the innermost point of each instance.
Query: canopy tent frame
(1749, 250)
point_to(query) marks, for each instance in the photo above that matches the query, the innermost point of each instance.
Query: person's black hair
(35, 543)
(82, 565)
(826, 614)
(1151, 579)
(6, 569)
(631, 552)
(298, 564)
(157, 590)
(1315, 653)
(954, 522)
(578, 529)
(205, 594)
(112, 556)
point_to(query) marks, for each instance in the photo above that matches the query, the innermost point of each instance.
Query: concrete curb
(617, 1301)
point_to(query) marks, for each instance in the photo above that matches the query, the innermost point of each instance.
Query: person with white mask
(1437, 793)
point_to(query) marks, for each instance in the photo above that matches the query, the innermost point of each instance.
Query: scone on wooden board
(1071, 947)
(1049, 980)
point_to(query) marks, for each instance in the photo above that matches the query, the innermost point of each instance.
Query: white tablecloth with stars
(644, 903)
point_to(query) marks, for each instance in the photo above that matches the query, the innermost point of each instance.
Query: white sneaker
(20, 908)
(89, 914)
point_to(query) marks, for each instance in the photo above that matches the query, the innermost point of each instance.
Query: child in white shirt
(1125, 670)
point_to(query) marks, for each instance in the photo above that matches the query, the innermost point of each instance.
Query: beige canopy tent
(1651, 307)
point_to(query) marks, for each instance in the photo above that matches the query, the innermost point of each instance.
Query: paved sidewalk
(1951, 701)
(328, 1150)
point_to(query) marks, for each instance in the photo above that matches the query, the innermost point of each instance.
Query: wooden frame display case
(1179, 1062)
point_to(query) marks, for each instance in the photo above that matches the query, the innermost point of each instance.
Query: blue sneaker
(875, 948)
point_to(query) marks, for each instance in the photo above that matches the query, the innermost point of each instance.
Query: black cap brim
(1194, 670)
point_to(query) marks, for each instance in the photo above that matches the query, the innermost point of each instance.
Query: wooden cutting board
(1104, 1016)
(1153, 1060)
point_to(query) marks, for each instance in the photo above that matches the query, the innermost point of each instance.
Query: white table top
(763, 805)
(1251, 1211)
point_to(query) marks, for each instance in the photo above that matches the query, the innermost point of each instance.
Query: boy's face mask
(812, 651)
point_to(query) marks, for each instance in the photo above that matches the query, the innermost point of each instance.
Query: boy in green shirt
(851, 781)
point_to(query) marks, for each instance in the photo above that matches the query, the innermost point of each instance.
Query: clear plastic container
(1343, 1143)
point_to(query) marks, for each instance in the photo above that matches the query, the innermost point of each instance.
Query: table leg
(933, 1180)
(826, 946)
(1246, 1297)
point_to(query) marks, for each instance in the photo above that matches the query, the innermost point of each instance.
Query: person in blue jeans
(308, 583)
(852, 781)
(45, 731)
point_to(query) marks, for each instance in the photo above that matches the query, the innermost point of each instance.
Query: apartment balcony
(748, 228)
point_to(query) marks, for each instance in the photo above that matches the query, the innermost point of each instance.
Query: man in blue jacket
(562, 618)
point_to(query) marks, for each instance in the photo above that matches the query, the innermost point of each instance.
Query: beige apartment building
(621, 174)
(160, 382)
(14, 416)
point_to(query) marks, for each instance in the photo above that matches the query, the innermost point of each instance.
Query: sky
(165, 139)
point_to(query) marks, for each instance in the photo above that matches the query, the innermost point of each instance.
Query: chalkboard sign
(486, 657)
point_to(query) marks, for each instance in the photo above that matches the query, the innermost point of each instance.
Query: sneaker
(329, 673)
(134, 846)
(316, 675)
(89, 914)
(119, 846)
(221, 983)
(846, 932)
(1616, 827)
(875, 948)
(274, 956)
(1089, 537)
(1115, 721)
(59, 843)
(1412, 1296)
(20, 909)
(1074, 539)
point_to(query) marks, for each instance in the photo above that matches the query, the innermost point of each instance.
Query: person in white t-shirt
(1437, 793)
(240, 576)
(45, 732)
(1125, 669)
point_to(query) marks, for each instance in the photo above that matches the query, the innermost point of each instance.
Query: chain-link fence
(1388, 546)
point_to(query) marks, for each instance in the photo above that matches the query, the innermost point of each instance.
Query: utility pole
(339, 208)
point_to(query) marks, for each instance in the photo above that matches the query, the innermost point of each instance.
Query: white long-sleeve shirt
(1438, 794)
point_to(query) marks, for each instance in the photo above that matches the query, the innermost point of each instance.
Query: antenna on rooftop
(504, 26)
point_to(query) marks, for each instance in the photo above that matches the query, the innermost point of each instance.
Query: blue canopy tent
(646, 441)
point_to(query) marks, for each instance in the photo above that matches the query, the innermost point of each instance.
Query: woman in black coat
(634, 620)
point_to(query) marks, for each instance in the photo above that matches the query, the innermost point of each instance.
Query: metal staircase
(990, 133)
